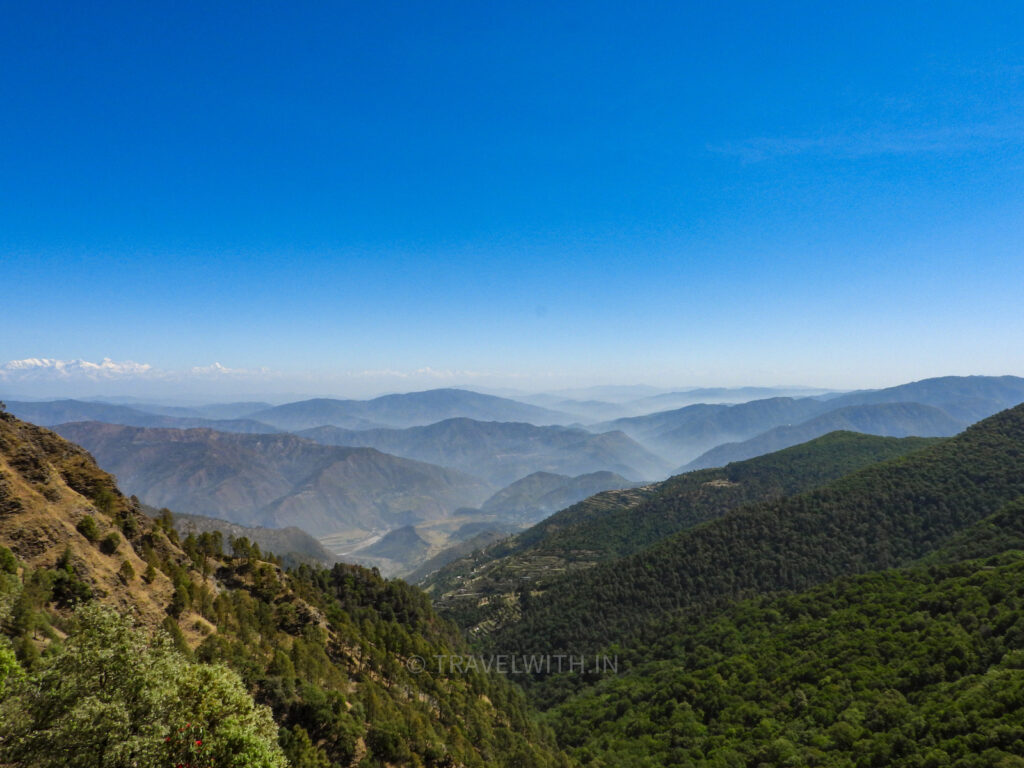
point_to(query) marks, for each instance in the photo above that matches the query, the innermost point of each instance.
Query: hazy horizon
(534, 197)
(41, 378)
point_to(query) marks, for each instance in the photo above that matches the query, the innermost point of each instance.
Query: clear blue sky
(676, 193)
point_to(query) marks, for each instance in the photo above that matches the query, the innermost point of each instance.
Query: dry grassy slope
(47, 485)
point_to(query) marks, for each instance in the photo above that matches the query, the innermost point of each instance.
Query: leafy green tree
(88, 528)
(301, 751)
(8, 562)
(112, 697)
(10, 671)
(239, 734)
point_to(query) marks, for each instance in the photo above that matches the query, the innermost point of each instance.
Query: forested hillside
(615, 524)
(920, 667)
(883, 516)
(327, 650)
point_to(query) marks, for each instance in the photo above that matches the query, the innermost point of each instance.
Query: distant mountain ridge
(884, 419)
(275, 480)
(966, 398)
(503, 452)
(412, 409)
(683, 434)
(49, 413)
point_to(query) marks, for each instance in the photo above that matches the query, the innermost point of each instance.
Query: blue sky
(519, 194)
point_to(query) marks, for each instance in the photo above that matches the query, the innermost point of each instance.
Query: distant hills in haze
(596, 404)
(356, 469)
(406, 410)
(275, 480)
(683, 434)
(543, 493)
(886, 419)
(503, 452)
(672, 435)
(52, 412)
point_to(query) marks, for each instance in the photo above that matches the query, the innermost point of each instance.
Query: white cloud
(43, 367)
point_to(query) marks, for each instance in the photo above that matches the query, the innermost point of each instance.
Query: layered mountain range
(492, 460)
(851, 600)
(683, 434)
(275, 480)
(502, 452)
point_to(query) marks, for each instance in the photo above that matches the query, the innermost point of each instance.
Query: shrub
(110, 543)
(8, 562)
(88, 528)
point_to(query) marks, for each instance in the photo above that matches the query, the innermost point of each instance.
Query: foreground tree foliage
(322, 651)
(111, 696)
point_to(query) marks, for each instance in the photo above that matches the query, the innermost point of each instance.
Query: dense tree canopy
(111, 696)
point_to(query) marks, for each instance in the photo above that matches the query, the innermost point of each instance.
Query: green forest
(916, 667)
(611, 525)
(883, 516)
(850, 602)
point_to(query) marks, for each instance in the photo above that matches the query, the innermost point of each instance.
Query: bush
(129, 525)
(110, 543)
(88, 528)
(8, 562)
(103, 499)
